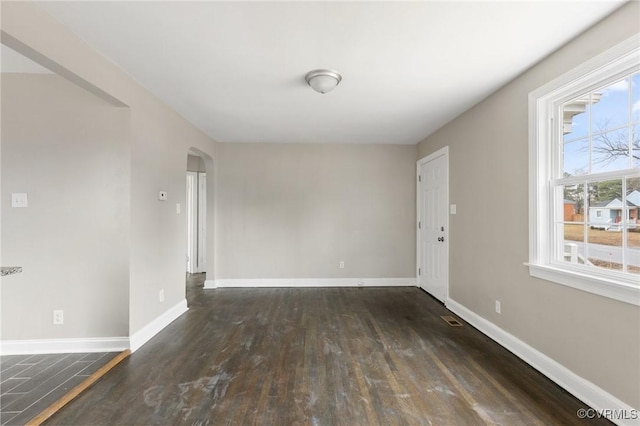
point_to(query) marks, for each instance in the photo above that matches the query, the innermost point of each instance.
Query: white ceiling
(236, 69)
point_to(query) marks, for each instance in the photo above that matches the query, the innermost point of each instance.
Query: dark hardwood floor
(347, 356)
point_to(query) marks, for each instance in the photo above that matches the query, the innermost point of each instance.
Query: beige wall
(195, 164)
(297, 210)
(595, 337)
(69, 151)
(160, 140)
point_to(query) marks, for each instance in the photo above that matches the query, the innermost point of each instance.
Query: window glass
(576, 157)
(610, 151)
(575, 115)
(636, 145)
(610, 107)
(635, 98)
(633, 225)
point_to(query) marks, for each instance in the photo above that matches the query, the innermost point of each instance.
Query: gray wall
(595, 337)
(160, 140)
(195, 164)
(68, 150)
(296, 210)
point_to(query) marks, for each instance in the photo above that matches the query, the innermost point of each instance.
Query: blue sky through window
(606, 115)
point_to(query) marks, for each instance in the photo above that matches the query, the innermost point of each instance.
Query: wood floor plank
(339, 356)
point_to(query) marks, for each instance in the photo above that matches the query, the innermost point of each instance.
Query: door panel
(433, 217)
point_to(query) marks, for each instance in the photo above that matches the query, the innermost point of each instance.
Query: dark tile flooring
(30, 383)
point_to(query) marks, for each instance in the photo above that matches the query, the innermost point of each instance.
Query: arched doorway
(196, 209)
(200, 218)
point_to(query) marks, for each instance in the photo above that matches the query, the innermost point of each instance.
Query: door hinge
(419, 225)
(419, 178)
(419, 271)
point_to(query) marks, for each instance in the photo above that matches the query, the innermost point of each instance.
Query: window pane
(610, 151)
(605, 247)
(636, 146)
(610, 107)
(572, 249)
(575, 115)
(573, 203)
(604, 230)
(576, 158)
(605, 203)
(632, 252)
(633, 191)
(635, 98)
(573, 246)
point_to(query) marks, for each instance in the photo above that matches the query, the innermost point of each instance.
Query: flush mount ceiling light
(323, 81)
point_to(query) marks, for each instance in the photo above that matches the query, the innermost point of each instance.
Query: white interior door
(433, 224)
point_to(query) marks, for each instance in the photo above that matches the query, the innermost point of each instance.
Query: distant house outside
(607, 214)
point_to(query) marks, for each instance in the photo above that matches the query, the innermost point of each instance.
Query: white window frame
(544, 104)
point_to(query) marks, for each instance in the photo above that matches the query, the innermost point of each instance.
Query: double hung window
(585, 176)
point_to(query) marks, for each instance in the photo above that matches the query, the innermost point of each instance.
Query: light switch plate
(19, 200)
(452, 209)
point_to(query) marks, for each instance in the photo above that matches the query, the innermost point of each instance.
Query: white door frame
(202, 222)
(439, 153)
(192, 179)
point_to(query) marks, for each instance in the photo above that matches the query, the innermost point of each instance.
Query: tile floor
(30, 383)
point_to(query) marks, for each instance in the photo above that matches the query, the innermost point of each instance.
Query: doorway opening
(196, 215)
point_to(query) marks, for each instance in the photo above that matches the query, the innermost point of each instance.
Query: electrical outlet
(498, 308)
(341, 264)
(163, 196)
(58, 317)
(161, 295)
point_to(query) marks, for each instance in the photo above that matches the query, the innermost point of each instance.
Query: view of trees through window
(598, 187)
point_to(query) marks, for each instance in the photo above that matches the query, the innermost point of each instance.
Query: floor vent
(451, 321)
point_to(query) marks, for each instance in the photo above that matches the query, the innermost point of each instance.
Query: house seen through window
(597, 184)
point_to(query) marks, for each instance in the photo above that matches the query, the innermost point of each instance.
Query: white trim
(62, 346)
(444, 151)
(311, 282)
(202, 222)
(542, 103)
(589, 393)
(601, 286)
(145, 334)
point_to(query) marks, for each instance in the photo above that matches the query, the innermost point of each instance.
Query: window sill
(607, 287)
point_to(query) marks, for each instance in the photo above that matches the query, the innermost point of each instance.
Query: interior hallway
(329, 356)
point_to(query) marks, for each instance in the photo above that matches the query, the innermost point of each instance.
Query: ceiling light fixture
(323, 81)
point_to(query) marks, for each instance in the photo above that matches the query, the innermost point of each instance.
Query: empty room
(320, 213)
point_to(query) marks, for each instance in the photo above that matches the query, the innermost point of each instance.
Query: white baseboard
(99, 344)
(60, 346)
(311, 282)
(579, 387)
(145, 334)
